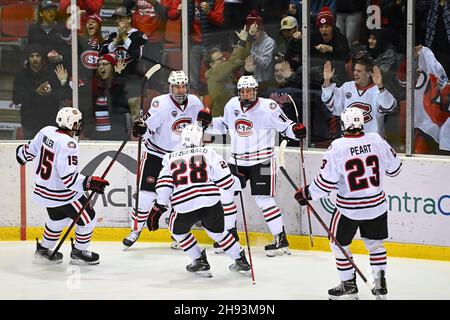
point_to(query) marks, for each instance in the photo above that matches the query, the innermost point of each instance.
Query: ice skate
(279, 246)
(346, 290)
(42, 255)
(241, 265)
(130, 239)
(200, 266)
(80, 257)
(380, 290)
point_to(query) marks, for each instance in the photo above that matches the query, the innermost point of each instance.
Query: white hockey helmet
(192, 136)
(69, 118)
(352, 119)
(247, 82)
(177, 78)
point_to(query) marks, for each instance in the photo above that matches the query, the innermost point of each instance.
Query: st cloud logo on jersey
(89, 59)
(366, 108)
(243, 127)
(180, 124)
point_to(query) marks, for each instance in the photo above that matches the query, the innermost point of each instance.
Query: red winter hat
(110, 57)
(254, 17)
(325, 16)
(96, 18)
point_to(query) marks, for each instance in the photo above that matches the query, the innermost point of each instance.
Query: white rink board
(419, 198)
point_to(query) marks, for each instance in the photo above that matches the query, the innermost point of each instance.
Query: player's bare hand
(328, 71)
(376, 76)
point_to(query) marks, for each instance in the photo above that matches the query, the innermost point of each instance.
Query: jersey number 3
(356, 169)
(197, 170)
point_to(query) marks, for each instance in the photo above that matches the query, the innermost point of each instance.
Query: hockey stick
(88, 200)
(245, 227)
(147, 76)
(330, 234)
(303, 171)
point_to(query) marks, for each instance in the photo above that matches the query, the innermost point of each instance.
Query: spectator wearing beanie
(90, 7)
(328, 44)
(263, 49)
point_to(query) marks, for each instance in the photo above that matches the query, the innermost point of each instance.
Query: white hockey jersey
(165, 120)
(56, 181)
(356, 166)
(252, 131)
(192, 178)
(374, 104)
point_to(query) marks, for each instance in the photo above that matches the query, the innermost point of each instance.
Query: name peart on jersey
(56, 181)
(252, 131)
(192, 178)
(165, 120)
(356, 166)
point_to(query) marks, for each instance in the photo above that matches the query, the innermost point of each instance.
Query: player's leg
(344, 229)
(372, 233)
(150, 167)
(52, 231)
(180, 226)
(83, 233)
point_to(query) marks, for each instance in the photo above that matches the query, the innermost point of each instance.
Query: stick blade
(152, 71)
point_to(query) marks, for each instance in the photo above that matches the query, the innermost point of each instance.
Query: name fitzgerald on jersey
(188, 151)
(360, 149)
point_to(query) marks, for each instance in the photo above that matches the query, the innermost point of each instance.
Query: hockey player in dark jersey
(355, 165)
(194, 180)
(59, 187)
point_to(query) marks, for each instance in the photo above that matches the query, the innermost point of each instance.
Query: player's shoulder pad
(269, 105)
(195, 101)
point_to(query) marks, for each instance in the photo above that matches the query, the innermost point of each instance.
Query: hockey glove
(205, 118)
(302, 196)
(299, 131)
(154, 215)
(95, 184)
(19, 160)
(139, 128)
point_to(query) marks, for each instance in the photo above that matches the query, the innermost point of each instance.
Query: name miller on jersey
(360, 149)
(48, 142)
(187, 151)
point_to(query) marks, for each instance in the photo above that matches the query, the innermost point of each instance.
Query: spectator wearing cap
(150, 17)
(263, 49)
(289, 43)
(328, 44)
(128, 45)
(349, 18)
(109, 107)
(52, 35)
(39, 90)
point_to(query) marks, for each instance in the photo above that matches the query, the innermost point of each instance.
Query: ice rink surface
(156, 272)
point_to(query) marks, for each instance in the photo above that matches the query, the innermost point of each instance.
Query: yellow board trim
(403, 250)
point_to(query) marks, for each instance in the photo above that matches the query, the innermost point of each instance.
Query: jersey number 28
(197, 170)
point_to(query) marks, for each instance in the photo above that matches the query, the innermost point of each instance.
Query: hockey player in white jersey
(252, 123)
(355, 165)
(366, 92)
(191, 180)
(59, 187)
(161, 129)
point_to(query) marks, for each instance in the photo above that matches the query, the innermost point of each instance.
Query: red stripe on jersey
(57, 196)
(228, 182)
(194, 191)
(229, 209)
(259, 154)
(326, 186)
(361, 202)
(170, 181)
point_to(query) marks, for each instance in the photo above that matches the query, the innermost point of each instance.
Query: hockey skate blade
(353, 296)
(218, 251)
(83, 263)
(203, 274)
(380, 297)
(278, 252)
(44, 261)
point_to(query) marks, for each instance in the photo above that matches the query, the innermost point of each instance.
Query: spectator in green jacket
(221, 72)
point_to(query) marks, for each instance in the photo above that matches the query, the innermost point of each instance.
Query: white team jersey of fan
(370, 100)
(356, 166)
(57, 181)
(165, 120)
(252, 131)
(192, 178)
